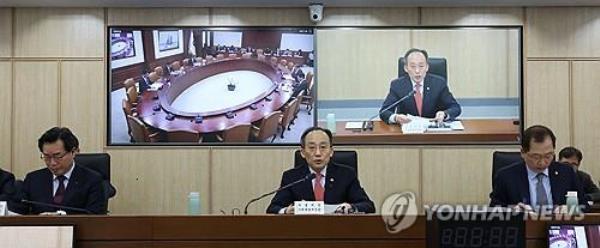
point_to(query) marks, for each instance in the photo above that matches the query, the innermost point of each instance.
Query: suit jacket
(511, 185)
(589, 187)
(341, 185)
(7, 185)
(436, 97)
(84, 190)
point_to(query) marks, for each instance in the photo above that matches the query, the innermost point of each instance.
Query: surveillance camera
(316, 12)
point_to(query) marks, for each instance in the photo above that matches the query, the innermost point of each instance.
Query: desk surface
(252, 231)
(476, 131)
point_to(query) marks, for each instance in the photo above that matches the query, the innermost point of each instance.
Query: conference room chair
(240, 132)
(437, 66)
(175, 66)
(246, 55)
(349, 158)
(290, 66)
(232, 55)
(261, 57)
(128, 109)
(260, 51)
(220, 56)
(140, 132)
(267, 128)
(187, 136)
(128, 83)
(289, 114)
(209, 59)
(98, 162)
(159, 71)
(308, 97)
(132, 96)
(502, 160)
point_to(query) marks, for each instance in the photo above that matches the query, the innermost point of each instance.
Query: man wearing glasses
(333, 183)
(538, 181)
(62, 182)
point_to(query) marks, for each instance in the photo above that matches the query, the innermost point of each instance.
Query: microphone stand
(368, 125)
(307, 177)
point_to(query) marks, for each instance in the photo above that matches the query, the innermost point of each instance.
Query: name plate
(3, 208)
(309, 207)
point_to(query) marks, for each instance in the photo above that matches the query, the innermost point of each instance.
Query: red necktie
(60, 192)
(418, 98)
(318, 189)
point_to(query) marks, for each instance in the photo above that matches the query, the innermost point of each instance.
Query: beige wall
(52, 72)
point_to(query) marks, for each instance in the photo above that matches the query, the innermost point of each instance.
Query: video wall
(265, 85)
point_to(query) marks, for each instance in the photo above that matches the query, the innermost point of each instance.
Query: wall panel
(158, 16)
(457, 175)
(239, 175)
(36, 100)
(586, 103)
(6, 115)
(157, 180)
(83, 102)
(547, 98)
(260, 16)
(369, 17)
(472, 16)
(59, 32)
(563, 32)
(5, 32)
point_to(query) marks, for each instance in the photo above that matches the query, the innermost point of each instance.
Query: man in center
(333, 183)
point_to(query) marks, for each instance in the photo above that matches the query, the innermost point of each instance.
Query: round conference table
(198, 99)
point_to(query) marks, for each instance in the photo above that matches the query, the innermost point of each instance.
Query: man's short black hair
(569, 152)
(538, 134)
(59, 133)
(415, 50)
(314, 129)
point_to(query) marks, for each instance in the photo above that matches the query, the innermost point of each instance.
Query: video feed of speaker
(209, 86)
(466, 90)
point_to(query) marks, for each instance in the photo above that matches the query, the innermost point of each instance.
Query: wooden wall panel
(547, 100)
(384, 171)
(472, 16)
(36, 107)
(487, 62)
(5, 32)
(457, 175)
(369, 17)
(563, 32)
(6, 115)
(344, 54)
(158, 16)
(260, 16)
(83, 102)
(586, 103)
(158, 180)
(59, 32)
(239, 175)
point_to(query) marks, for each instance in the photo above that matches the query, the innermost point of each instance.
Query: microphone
(307, 177)
(60, 207)
(369, 123)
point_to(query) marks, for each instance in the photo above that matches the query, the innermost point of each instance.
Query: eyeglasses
(55, 157)
(538, 157)
(313, 149)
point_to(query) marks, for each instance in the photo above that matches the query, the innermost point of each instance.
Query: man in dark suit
(63, 182)
(573, 156)
(538, 181)
(431, 98)
(333, 183)
(7, 186)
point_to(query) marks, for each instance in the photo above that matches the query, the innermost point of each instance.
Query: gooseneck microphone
(307, 177)
(368, 125)
(59, 207)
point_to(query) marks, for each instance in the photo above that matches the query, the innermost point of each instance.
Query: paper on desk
(354, 125)
(417, 124)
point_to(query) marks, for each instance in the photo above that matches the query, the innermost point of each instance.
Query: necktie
(60, 192)
(418, 98)
(540, 191)
(318, 188)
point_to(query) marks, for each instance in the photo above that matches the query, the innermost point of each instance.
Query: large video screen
(209, 85)
(573, 236)
(467, 91)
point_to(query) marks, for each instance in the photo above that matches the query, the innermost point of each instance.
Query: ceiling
(291, 3)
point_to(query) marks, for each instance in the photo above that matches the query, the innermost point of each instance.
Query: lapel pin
(556, 173)
(331, 179)
(428, 88)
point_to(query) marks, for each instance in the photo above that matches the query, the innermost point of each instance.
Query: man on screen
(537, 181)
(62, 182)
(333, 183)
(431, 98)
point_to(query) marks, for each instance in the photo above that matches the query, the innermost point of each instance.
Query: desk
(476, 131)
(213, 121)
(252, 231)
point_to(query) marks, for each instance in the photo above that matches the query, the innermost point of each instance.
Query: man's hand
(344, 208)
(289, 209)
(402, 119)
(440, 116)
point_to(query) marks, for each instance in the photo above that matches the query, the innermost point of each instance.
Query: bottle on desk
(331, 122)
(194, 203)
(572, 202)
